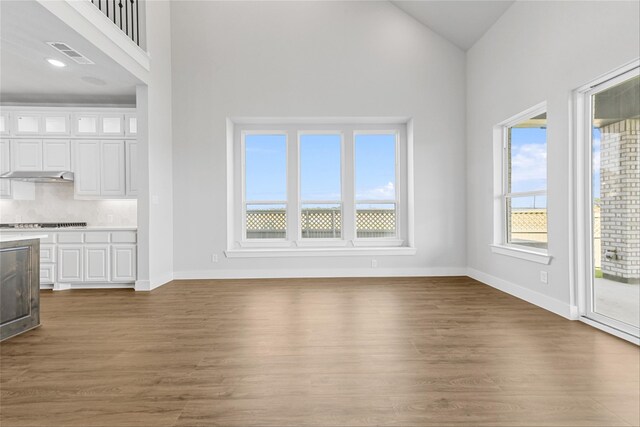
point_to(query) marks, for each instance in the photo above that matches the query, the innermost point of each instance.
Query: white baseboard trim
(156, 282)
(71, 286)
(319, 273)
(536, 298)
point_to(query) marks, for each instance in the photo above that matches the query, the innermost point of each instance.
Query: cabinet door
(56, 155)
(87, 168)
(28, 124)
(26, 155)
(47, 273)
(56, 124)
(112, 168)
(86, 124)
(131, 124)
(96, 263)
(132, 168)
(70, 263)
(5, 166)
(5, 124)
(123, 263)
(112, 125)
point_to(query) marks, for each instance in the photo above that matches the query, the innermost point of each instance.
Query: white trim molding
(521, 253)
(536, 298)
(319, 273)
(317, 252)
(149, 285)
(94, 26)
(70, 286)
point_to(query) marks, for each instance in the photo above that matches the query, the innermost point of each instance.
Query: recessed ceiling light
(56, 63)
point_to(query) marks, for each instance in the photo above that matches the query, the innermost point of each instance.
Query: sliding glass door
(612, 296)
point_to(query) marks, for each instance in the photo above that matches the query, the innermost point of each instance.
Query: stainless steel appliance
(32, 225)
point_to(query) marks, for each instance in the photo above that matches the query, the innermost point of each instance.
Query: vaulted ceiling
(461, 22)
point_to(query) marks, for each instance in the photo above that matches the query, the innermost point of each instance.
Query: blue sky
(529, 165)
(320, 159)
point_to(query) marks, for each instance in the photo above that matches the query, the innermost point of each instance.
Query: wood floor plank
(314, 352)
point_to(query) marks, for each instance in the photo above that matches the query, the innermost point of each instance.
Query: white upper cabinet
(39, 155)
(101, 169)
(28, 124)
(5, 123)
(26, 155)
(112, 125)
(92, 122)
(131, 124)
(112, 168)
(86, 124)
(5, 166)
(132, 168)
(87, 168)
(56, 124)
(56, 155)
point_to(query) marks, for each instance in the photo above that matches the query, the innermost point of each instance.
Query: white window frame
(294, 245)
(581, 217)
(501, 244)
(395, 240)
(247, 242)
(319, 241)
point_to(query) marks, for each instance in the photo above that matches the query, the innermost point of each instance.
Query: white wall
(56, 203)
(155, 202)
(291, 59)
(537, 51)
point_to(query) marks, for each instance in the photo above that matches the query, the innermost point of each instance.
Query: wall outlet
(374, 263)
(214, 257)
(544, 278)
(110, 219)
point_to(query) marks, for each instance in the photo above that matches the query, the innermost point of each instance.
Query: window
(523, 195)
(320, 185)
(265, 194)
(375, 184)
(306, 185)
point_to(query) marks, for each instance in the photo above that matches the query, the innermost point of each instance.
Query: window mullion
(293, 177)
(348, 187)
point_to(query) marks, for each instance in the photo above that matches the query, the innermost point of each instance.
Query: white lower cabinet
(47, 273)
(70, 263)
(123, 263)
(85, 258)
(96, 263)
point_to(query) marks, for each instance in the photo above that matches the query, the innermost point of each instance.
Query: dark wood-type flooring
(314, 352)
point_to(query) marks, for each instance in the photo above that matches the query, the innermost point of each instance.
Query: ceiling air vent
(71, 53)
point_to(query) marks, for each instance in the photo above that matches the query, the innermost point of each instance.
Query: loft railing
(124, 14)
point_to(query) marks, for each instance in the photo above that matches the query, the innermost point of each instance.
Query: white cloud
(528, 163)
(385, 192)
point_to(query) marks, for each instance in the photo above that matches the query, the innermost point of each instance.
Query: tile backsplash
(55, 203)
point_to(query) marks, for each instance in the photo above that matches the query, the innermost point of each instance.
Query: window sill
(526, 254)
(316, 252)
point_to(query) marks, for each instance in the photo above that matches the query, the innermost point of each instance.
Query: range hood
(39, 176)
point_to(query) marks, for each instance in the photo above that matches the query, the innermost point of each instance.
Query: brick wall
(620, 200)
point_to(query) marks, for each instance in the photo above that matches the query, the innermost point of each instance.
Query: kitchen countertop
(18, 238)
(57, 230)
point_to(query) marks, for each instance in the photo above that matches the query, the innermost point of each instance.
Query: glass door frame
(584, 209)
